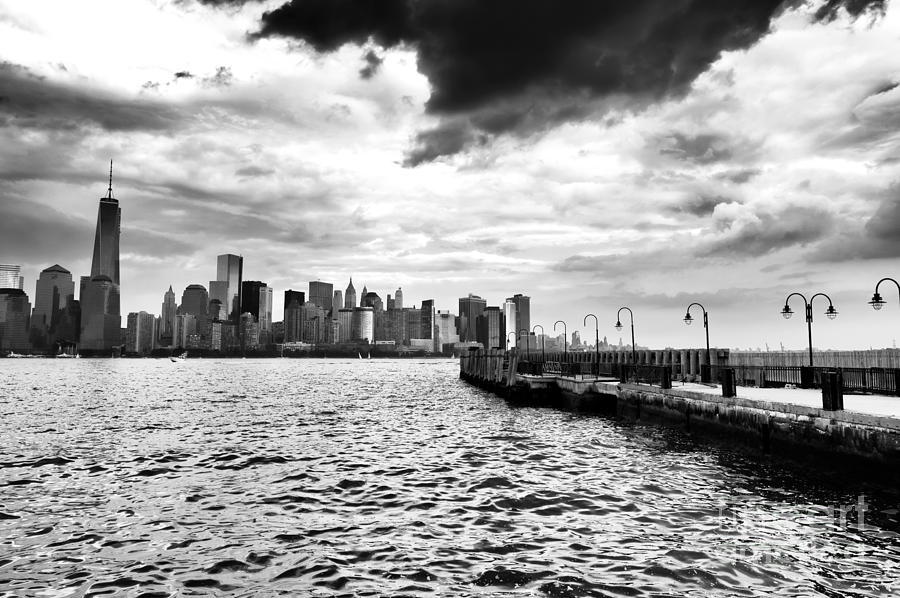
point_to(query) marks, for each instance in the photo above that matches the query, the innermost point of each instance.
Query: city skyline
(744, 180)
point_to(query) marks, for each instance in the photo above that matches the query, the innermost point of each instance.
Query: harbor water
(331, 477)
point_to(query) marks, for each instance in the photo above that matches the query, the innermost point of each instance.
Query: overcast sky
(589, 153)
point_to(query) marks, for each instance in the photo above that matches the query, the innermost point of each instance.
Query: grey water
(392, 477)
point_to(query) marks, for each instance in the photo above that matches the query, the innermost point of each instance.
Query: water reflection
(144, 477)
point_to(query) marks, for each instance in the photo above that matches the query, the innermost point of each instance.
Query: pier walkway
(785, 421)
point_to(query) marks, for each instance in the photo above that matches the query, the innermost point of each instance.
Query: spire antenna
(110, 180)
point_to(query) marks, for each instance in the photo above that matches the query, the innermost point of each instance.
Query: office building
(101, 320)
(53, 292)
(291, 295)
(470, 308)
(293, 317)
(398, 299)
(185, 327)
(141, 332)
(491, 328)
(371, 299)
(321, 293)
(167, 317)
(265, 315)
(15, 316)
(250, 297)
(350, 296)
(218, 291)
(11, 277)
(314, 323)
(195, 301)
(362, 325)
(230, 269)
(337, 302)
(427, 319)
(523, 314)
(446, 329)
(509, 316)
(345, 323)
(390, 303)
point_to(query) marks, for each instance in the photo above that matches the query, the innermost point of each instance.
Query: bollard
(807, 377)
(728, 386)
(665, 377)
(832, 391)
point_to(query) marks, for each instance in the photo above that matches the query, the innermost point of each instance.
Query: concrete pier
(796, 432)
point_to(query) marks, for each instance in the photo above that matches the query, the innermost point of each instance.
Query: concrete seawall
(841, 439)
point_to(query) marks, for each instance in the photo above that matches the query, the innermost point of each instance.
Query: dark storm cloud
(877, 239)
(700, 149)
(448, 138)
(30, 101)
(770, 232)
(373, 63)
(740, 176)
(477, 54)
(47, 234)
(700, 205)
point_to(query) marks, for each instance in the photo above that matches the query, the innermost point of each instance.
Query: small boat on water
(177, 358)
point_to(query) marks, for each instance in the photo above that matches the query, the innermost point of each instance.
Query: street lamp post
(877, 302)
(565, 339)
(542, 341)
(507, 339)
(596, 339)
(831, 313)
(619, 328)
(705, 374)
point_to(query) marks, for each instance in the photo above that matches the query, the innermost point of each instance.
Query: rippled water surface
(377, 477)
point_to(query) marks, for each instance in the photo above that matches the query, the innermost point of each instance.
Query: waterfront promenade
(786, 421)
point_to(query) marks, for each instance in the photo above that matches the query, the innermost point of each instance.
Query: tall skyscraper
(509, 316)
(230, 268)
(427, 319)
(398, 299)
(362, 296)
(321, 293)
(265, 313)
(141, 333)
(293, 320)
(167, 316)
(470, 308)
(11, 277)
(362, 324)
(195, 301)
(371, 299)
(15, 313)
(290, 296)
(491, 328)
(350, 296)
(218, 291)
(523, 314)
(53, 292)
(337, 302)
(250, 297)
(101, 320)
(446, 325)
